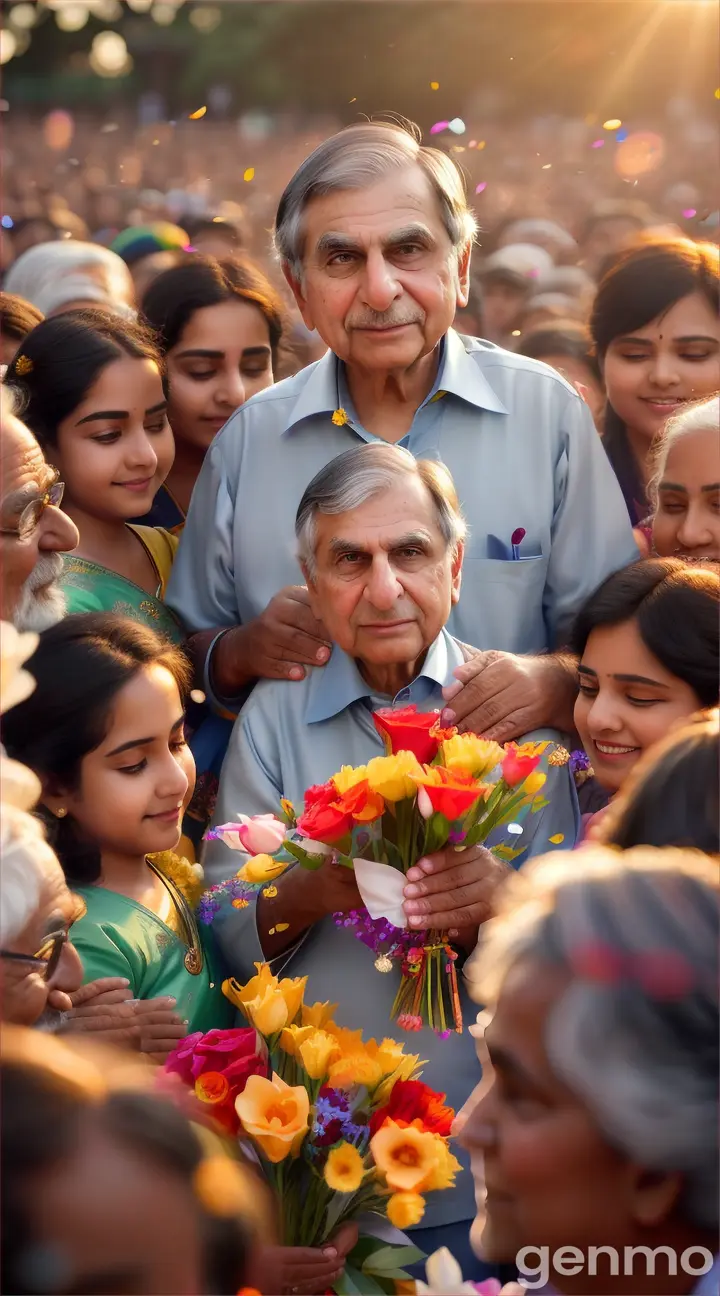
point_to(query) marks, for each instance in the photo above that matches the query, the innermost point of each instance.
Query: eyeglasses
(50, 952)
(29, 519)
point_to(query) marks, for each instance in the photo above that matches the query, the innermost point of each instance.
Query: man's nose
(380, 286)
(68, 975)
(58, 533)
(383, 588)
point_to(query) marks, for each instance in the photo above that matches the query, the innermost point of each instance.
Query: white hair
(361, 156)
(52, 275)
(699, 416)
(642, 1058)
(26, 858)
(358, 475)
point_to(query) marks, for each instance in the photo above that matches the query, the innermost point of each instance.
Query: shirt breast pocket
(501, 604)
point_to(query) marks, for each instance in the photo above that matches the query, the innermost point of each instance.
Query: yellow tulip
(534, 782)
(317, 1052)
(448, 1166)
(405, 1209)
(348, 777)
(318, 1014)
(391, 776)
(407, 1158)
(406, 1069)
(292, 1035)
(344, 1169)
(468, 754)
(269, 1005)
(261, 868)
(349, 1041)
(275, 1115)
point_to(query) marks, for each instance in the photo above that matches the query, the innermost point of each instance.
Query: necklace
(194, 961)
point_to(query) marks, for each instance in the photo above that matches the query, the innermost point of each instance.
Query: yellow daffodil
(318, 1014)
(391, 776)
(261, 868)
(534, 782)
(447, 1167)
(350, 1041)
(348, 777)
(354, 1069)
(344, 1169)
(405, 1209)
(291, 1037)
(269, 1005)
(407, 1158)
(468, 754)
(311, 1046)
(275, 1115)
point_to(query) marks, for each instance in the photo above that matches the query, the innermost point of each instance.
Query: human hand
(278, 644)
(105, 990)
(160, 1027)
(104, 1007)
(306, 1270)
(502, 696)
(453, 890)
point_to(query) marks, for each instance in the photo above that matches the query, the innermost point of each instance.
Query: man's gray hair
(698, 416)
(635, 1034)
(358, 157)
(359, 475)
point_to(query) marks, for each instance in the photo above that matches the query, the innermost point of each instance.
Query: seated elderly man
(381, 546)
(34, 531)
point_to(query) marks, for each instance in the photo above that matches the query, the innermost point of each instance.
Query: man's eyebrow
(334, 242)
(337, 545)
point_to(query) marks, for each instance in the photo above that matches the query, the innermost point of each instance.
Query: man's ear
(463, 274)
(456, 570)
(311, 587)
(296, 288)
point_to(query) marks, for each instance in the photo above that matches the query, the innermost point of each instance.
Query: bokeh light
(109, 55)
(8, 45)
(205, 18)
(612, 124)
(163, 14)
(72, 17)
(639, 154)
(139, 6)
(23, 15)
(58, 130)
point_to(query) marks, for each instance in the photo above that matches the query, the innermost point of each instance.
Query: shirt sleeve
(201, 589)
(592, 535)
(104, 953)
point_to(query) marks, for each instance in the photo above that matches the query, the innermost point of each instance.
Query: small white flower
(444, 1277)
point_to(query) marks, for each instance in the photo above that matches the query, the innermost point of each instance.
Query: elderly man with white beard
(34, 531)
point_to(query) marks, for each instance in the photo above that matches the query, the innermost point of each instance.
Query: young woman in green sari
(95, 400)
(103, 731)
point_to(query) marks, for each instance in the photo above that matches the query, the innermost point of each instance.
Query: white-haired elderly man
(381, 542)
(374, 234)
(34, 531)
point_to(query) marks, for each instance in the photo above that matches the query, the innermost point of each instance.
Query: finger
(452, 921)
(95, 988)
(160, 1044)
(487, 709)
(345, 1238)
(111, 1012)
(296, 646)
(162, 1023)
(164, 1003)
(462, 875)
(110, 1031)
(446, 859)
(109, 997)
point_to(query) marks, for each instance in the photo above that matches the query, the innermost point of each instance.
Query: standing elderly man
(375, 234)
(380, 538)
(34, 531)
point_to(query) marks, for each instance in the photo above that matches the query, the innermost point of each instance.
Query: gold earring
(60, 812)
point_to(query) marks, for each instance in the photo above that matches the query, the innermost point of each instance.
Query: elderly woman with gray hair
(56, 277)
(594, 1131)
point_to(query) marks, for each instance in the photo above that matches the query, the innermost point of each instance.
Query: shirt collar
(334, 687)
(459, 375)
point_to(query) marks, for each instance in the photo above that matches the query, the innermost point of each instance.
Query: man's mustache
(384, 319)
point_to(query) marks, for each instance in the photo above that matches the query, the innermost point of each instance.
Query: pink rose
(234, 1054)
(258, 835)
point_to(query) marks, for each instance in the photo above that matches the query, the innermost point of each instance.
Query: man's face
(382, 279)
(385, 579)
(26, 995)
(29, 596)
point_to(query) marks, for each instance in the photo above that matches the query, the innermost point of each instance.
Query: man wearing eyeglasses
(34, 531)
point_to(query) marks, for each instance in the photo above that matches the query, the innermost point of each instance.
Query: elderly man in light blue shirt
(381, 544)
(375, 234)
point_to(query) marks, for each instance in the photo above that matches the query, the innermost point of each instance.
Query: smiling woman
(95, 399)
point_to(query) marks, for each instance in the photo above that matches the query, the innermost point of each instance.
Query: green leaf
(539, 804)
(507, 853)
(389, 1257)
(354, 1282)
(311, 862)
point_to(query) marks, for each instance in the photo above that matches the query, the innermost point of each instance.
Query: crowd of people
(239, 513)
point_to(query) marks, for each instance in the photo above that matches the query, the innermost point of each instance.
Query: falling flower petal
(438, 127)
(435, 85)
(199, 112)
(249, 174)
(479, 188)
(612, 124)
(689, 213)
(457, 126)
(557, 838)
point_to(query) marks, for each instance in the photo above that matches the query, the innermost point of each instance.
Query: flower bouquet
(343, 1128)
(433, 788)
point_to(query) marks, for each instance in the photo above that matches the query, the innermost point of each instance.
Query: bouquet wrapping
(343, 1127)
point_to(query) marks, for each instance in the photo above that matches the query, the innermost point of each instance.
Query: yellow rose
(344, 1169)
(534, 782)
(448, 1166)
(275, 1115)
(391, 776)
(405, 1209)
(468, 754)
(269, 1005)
(261, 868)
(316, 1052)
(318, 1014)
(354, 1069)
(407, 1158)
(348, 777)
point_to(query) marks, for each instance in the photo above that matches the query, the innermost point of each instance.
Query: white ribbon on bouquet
(381, 887)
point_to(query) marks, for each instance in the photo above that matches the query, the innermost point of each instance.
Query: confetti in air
(612, 124)
(353, 100)
(547, 166)
(598, 144)
(557, 838)
(435, 85)
(199, 112)
(479, 188)
(249, 174)
(515, 829)
(457, 126)
(438, 127)
(689, 213)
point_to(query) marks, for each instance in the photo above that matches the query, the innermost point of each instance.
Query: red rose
(450, 795)
(325, 823)
(407, 729)
(231, 1053)
(411, 1101)
(320, 794)
(516, 767)
(364, 805)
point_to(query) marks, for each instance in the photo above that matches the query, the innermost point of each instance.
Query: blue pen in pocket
(516, 540)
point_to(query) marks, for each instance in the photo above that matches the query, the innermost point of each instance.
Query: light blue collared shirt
(522, 449)
(291, 735)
